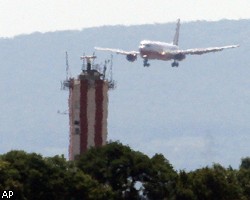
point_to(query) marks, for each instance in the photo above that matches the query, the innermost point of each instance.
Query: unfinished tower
(88, 107)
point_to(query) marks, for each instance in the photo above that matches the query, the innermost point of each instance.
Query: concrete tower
(88, 108)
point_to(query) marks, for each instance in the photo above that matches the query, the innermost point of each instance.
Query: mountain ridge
(165, 108)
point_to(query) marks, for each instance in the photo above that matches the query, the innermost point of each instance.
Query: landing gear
(175, 64)
(145, 63)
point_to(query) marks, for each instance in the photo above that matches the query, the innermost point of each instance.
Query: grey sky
(27, 16)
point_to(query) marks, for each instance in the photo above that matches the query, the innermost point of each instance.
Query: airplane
(150, 50)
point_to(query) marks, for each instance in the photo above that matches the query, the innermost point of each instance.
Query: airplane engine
(131, 57)
(179, 56)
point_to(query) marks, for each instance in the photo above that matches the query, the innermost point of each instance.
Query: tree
(115, 171)
(131, 174)
(30, 176)
(184, 189)
(245, 163)
(162, 179)
(244, 177)
(216, 183)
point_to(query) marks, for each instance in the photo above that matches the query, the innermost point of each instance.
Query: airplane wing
(200, 51)
(118, 51)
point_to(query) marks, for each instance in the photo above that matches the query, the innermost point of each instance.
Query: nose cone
(141, 46)
(145, 47)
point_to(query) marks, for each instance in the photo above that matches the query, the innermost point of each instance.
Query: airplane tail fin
(176, 36)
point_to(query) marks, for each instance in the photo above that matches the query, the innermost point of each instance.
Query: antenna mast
(66, 83)
(83, 62)
(67, 66)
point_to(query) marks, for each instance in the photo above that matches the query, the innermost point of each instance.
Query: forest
(115, 171)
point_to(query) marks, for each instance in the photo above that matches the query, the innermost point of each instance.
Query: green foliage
(245, 163)
(162, 178)
(125, 170)
(209, 183)
(115, 171)
(30, 176)
(184, 187)
(216, 183)
(244, 177)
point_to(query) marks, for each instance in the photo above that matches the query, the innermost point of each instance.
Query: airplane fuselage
(156, 50)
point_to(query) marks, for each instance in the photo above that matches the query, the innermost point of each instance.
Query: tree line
(115, 171)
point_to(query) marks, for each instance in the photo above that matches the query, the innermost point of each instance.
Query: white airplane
(164, 51)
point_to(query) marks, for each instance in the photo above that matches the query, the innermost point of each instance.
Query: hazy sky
(27, 16)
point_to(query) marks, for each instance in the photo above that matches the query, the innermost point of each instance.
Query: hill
(195, 115)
